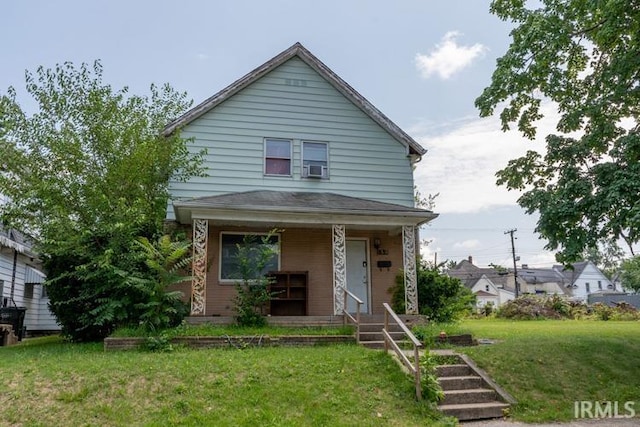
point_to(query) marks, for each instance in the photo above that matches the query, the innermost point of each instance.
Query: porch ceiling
(289, 209)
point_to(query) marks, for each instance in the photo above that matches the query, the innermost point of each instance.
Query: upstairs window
(588, 287)
(277, 157)
(315, 160)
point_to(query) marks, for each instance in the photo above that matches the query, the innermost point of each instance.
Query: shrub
(252, 293)
(442, 298)
(529, 307)
(431, 389)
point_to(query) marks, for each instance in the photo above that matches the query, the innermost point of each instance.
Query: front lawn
(547, 365)
(50, 382)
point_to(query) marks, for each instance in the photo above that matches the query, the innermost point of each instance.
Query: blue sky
(422, 63)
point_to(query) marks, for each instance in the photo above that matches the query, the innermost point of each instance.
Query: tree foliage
(440, 297)
(167, 259)
(252, 287)
(87, 174)
(607, 256)
(630, 274)
(584, 56)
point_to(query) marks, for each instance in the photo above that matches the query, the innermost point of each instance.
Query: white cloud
(448, 57)
(202, 56)
(462, 161)
(467, 244)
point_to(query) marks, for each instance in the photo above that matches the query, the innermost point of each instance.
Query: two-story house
(291, 146)
(584, 279)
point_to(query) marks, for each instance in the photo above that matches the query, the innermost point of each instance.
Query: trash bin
(15, 317)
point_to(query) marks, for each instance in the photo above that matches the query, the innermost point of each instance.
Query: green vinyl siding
(295, 103)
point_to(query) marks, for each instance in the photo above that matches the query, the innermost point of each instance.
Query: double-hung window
(315, 159)
(277, 157)
(240, 254)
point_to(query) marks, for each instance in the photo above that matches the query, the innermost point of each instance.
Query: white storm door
(357, 274)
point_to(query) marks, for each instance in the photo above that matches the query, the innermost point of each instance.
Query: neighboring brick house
(292, 146)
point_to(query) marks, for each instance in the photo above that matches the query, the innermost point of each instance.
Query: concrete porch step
(474, 395)
(466, 382)
(379, 345)
(459, 370)
(475, 411)
(377, 327)
(377, 336)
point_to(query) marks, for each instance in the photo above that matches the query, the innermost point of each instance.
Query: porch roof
(302, 208)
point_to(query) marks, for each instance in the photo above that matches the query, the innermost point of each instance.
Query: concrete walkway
(604, 422)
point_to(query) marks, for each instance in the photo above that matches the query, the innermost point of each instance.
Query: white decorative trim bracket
(339, 269)
(199, 282)
(410, 275)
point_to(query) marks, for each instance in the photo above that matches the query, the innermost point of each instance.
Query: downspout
(13, 273)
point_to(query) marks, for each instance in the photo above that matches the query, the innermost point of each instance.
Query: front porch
(332, 243)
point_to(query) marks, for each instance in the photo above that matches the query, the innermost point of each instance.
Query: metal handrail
(413, 367)
(348, 316)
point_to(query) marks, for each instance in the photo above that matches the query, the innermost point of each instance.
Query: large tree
(584, 57)
(86, 174)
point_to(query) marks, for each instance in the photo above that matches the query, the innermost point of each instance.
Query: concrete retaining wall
(113, 343)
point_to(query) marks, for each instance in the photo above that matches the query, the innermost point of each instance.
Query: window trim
(302, 166)
(243, 233)
(264, 157)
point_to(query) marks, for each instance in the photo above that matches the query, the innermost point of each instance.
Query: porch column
(410, 275)
(199, 281)
(339, 269)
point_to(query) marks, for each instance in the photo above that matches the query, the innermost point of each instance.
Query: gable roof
(469, 275)
(299, 51)
(571, 275)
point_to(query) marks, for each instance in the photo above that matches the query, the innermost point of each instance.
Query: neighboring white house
(487, 284)
(21, 282)
(497, 287)
(584, 279)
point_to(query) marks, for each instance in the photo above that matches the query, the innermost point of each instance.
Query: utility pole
(513, 253)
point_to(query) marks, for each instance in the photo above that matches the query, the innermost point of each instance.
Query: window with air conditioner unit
(315, 160)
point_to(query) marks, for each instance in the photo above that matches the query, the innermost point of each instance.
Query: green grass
(428, 334)
(211, 330)
(51, 382)
(547, 365)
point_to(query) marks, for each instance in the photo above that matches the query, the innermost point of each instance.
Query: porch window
(277, 157)
(315, 160)
(231, 244)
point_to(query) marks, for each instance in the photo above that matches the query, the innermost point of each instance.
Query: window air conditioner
(315, 171)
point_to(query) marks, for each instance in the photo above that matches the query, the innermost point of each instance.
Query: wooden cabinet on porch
(289, 290)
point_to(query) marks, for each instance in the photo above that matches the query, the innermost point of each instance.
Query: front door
(357, 274)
